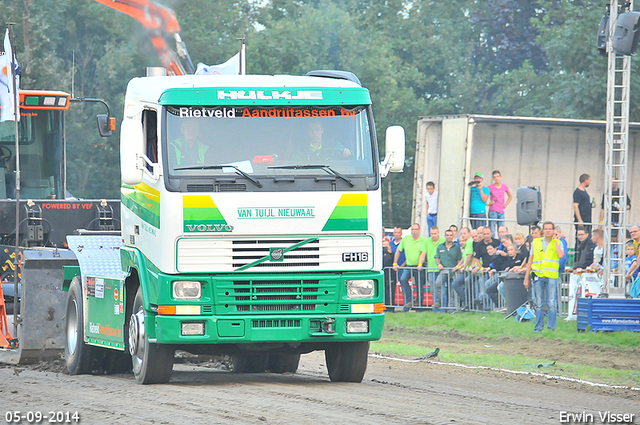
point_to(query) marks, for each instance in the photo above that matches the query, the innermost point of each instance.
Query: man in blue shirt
(478, 202)
(395, 241)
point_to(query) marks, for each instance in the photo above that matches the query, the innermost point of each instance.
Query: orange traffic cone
(399, 299)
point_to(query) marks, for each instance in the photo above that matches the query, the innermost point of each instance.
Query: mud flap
(40, 331)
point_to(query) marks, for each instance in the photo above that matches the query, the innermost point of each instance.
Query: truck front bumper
(266, 328)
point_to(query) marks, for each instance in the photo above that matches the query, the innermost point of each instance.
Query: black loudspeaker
(603, 34)
(529, 206)
(626, 34)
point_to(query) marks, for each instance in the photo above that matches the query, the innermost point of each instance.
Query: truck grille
(206, 254)
(247, 251)
(270, 295)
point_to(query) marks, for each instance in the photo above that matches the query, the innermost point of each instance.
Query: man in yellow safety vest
(544, 261)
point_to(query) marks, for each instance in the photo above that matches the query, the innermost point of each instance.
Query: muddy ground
(571, 352)
(393, 392)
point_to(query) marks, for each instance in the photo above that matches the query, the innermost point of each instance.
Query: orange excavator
(158, 20)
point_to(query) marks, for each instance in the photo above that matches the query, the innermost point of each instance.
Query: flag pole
(243, 62)
(16, 114)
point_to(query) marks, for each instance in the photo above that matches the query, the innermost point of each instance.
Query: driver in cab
(320, 149)
(188, 150)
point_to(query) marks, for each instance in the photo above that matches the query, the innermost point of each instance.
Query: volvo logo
(276, 254)
(209, 227)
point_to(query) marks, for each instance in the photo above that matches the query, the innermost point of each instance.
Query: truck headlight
(357, 326)
(361, 288)
(186, 289)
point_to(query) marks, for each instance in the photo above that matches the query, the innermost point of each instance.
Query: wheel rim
(72, 327)
(136, 339)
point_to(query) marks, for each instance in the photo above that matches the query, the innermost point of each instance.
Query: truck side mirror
(106, 125)
(131, 151)
(394, 147)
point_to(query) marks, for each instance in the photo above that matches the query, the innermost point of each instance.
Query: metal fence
(448, 291)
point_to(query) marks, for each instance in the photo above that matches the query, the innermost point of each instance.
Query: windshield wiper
(325, 168)
(220, 167)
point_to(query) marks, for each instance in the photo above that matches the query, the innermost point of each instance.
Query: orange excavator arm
(157, 20)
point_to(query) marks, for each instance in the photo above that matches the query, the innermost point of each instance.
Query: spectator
(478, 202)
(511, 263)
(480, 250)
(502, 230)
(582, 204)
(394, 242)
(635, 239)
(431, 199)
(497, 204)
(565, 247)
(465, 235)
(397, 238)
(483, 261)
(615, 207)
(494, 260)
(410, 245)
(467, 261)
(534, 232)
(448, 255)
(629, 262)
(428, 252)
(387, 263)
(584, 251)
(543, 261)
(505, 241)
(523, 252)
(598, 239)
(454, 229)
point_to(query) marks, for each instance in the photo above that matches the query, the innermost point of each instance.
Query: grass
(476, 339)
(493, 326)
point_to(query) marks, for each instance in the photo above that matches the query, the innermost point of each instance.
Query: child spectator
(629, 262)
(431, 201)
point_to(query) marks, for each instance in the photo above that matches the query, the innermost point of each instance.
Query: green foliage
(417, 58)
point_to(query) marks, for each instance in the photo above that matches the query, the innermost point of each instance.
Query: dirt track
(392, 392)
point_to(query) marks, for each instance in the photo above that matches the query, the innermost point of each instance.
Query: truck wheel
(117, 362)
(151, 363)
(347, 362)
(281, 363)
(76, 352)
(250, 363)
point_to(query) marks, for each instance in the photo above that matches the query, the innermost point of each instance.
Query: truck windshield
(41, 155)
(268, 141)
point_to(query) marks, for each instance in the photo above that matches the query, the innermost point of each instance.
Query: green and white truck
(251, 226)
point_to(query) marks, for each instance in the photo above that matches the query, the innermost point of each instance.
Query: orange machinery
(157, 19)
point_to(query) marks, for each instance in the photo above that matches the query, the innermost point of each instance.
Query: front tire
(151, 363)
(347, 361)
(282, 363)
(77, 354)
(250, 363)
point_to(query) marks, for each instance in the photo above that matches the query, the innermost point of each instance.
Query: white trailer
(548, 153)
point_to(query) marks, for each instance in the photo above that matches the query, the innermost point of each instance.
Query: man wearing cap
(478, 202)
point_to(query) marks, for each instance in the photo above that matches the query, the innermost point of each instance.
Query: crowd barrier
(448, 291)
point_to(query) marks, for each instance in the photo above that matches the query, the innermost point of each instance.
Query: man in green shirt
(448, 256)
(429, 252)
(411, 246)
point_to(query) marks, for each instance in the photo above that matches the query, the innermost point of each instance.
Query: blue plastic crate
(604, 314)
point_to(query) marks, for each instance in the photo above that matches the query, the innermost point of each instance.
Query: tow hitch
(328, 325)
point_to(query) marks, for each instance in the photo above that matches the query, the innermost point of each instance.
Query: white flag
(7, 98)
(230, 67)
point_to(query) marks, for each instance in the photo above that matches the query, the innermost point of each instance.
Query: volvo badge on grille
(276, 254)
